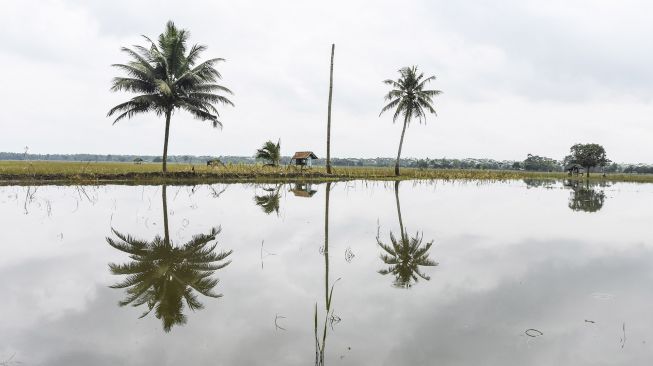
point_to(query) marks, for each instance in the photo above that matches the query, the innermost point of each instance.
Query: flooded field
(351, 273)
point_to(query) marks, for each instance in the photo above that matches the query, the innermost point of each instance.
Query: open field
(89, 172)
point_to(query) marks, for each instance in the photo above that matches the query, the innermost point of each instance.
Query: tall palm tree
(409, 99)
(167, 78)
(405, 255)
(270, 152)
(163, 276)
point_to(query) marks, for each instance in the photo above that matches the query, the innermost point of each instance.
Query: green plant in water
(167, 78)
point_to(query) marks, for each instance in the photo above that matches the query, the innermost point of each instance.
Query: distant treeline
(531, 163)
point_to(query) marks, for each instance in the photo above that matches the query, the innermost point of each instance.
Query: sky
(517, 77)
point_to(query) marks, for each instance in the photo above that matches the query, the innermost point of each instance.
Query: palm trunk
(164, 198)
(328, 158)
(401, 143)
(401, 222)
(165, 142)
(588, 172)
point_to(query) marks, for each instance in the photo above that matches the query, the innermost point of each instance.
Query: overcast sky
(518, 76)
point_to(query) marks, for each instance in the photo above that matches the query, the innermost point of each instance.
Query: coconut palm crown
(270, 152)
(410, 99)
(166, 77)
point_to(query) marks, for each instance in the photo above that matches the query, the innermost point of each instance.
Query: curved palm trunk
(328, 159)
(401, 143)
(165, 142)
(401, 222)
(164, 198)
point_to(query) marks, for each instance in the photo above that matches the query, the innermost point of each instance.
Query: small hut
(303, 158)
(138, 161)
(303, 190)
(574, 169)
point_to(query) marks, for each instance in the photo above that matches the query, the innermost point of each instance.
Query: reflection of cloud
(554, 296)
(35, 296)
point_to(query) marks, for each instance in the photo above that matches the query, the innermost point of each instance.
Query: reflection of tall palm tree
(320, 344)
(585, 198)
(269, 202)
(164, 276)
(405, 255)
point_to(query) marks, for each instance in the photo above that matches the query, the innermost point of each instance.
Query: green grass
(75, 172)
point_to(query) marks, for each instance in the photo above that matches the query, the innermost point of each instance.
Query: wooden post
(328, 159)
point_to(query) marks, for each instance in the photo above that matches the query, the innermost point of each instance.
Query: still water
(351, 273)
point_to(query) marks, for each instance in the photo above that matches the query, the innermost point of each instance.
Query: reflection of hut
(303, 190)
(303, 158)
(574, 169)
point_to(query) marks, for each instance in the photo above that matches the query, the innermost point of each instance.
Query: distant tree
(588, 156)
(168, 78)
(157, 159)
(409, 99)
(540, 163)
(270, 152)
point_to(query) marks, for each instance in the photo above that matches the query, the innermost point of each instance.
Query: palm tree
(409, 99)
(167, 78)
(270, 152)
(164, 276)
(405, 255)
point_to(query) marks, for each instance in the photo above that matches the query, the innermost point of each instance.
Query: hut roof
(304, 155)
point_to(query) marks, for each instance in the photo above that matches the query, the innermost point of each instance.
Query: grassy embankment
(102, 172)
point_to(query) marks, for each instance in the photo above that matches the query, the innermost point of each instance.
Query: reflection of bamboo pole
(401, 223)
(326, 246)
(164, 198)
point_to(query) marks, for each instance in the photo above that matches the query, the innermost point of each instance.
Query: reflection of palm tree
(163, 275)
(405, 255)
(585, 198)
(269, 202)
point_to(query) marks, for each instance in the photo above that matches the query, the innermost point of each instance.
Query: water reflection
(303, 190)
(405, 255)
(163, 276)
(584, 197)
(320, 342)
(269, 202)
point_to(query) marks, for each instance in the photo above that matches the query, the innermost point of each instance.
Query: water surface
(374, 273)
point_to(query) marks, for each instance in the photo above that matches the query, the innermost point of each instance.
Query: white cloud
(519, 77)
